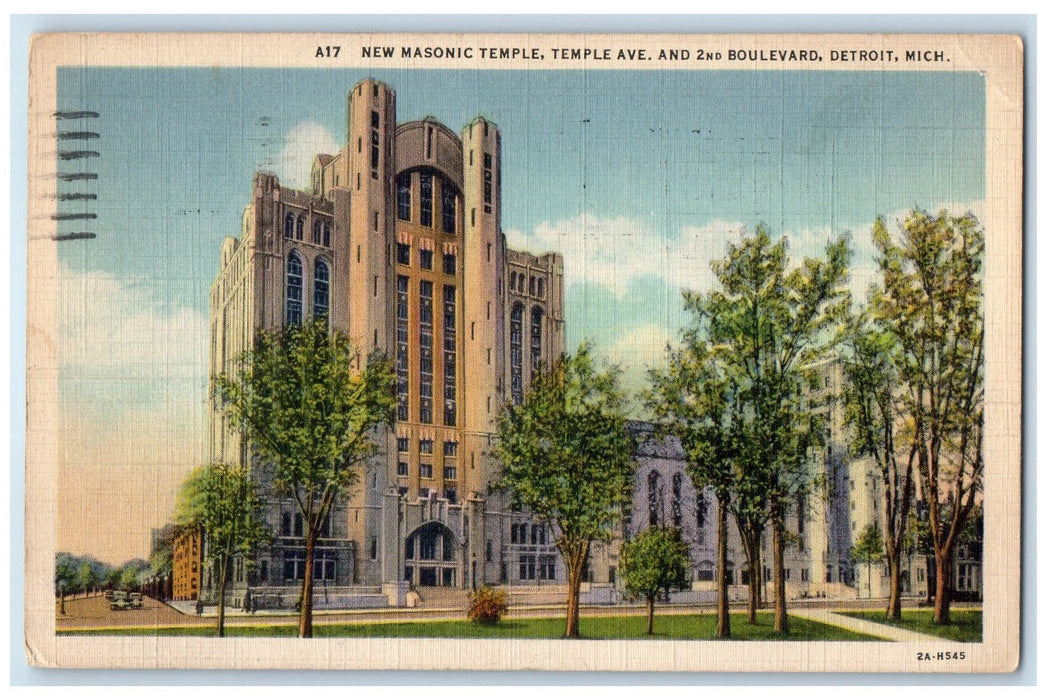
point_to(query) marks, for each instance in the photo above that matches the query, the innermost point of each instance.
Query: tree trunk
(305, 616)
(723, 612)
(894, 603)
(650, 614)
(781, 616)
(61, 603)
(223, 578)
(751, 542)
(575, 567)
(943, 583)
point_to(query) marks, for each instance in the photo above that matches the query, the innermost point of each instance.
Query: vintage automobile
(135, 600)
(119, 601)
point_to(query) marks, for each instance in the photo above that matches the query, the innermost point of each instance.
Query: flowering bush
(487, 605)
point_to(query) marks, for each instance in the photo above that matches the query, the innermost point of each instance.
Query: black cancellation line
(75, 155)
(82, 114)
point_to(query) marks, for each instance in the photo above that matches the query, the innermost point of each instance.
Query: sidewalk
(888, 632)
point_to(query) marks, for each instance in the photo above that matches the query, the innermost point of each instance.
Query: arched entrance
(431, 556)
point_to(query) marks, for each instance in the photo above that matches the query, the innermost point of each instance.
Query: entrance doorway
(431, 554)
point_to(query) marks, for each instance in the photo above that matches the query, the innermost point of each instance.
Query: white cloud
(132, 404)
(302, 144)
(115, 328)
(615, 252)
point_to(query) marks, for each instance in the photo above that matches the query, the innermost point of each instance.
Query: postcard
(501, 352)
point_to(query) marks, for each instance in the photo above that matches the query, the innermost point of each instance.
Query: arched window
(536, 339)
(321, 289)
(677, 510)
(294, 289)
(289, 225)
(317, 232)
(516, 353)
(299, 229)
(654, 499)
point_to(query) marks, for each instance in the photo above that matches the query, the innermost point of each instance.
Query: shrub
(487, 605)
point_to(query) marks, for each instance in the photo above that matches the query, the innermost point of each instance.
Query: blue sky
(639, 178)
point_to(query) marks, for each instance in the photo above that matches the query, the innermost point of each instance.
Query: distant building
(187, 564)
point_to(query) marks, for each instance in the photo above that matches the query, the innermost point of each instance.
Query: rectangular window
(527, 567)
(425, 182)
(450, 473)
(401, 469)
(450, 449)
(425, 471)
(425, 259)
(403, 253)
(448, 208)
(374, 119)
(450, 358)
(401, 348)
(425, 350)
(402, 444)
(450, 263)
(425, 447)
(403, 197)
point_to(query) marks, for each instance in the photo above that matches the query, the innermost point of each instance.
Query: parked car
(108, 595)
(119, 601)
(135, 600)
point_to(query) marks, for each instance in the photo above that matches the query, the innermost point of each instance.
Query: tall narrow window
(450, 263)
(450, 361)
(299, 229)
(536, 339)
(401, 347)
(403, 197)
(294, 290)
(516, 353)
(425, 351)
(488, 185)
(318, 234)
(327, 234)
(321, 290)
(447, 207)
(289, 225)
(701, 508)
(677, 510)
(425, 194)
(655, 499)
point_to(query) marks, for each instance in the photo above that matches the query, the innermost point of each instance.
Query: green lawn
(965, 625)
(622, 627)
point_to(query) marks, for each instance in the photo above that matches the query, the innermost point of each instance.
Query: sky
(640, 179)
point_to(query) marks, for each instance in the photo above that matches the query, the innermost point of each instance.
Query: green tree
(693, 399)
(931, 303)
(306, 406)
(878, 431)
(65, 580)
(653, 562)
(129, 579)
(567, 456)
(766, 326)
(86, 578)
(868, 549)
(223, 501)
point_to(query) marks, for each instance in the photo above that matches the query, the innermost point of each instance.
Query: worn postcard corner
(572, 352)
